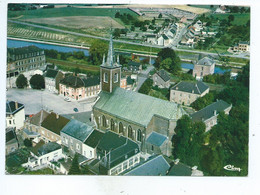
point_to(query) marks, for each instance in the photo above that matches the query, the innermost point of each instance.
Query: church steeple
(110, 54)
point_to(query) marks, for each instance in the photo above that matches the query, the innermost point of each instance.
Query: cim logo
(231, 168)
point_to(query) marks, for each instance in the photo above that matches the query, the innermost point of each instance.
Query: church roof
(136, 107)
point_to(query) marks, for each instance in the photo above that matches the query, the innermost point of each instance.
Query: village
(135, 116)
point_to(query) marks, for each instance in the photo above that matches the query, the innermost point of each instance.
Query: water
(16, 43)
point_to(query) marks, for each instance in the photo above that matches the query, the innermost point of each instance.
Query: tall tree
(97, 49)
(37, 82)
(21, 81)
(74, 169)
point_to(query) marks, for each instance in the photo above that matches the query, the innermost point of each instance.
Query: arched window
(104, 121)
(130, 132)
(105, 77)
(112, 125)
(115, 77)
(121, 128)
(139, 135)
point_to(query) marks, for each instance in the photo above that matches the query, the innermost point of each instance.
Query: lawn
(46, 171)
(68, 11)
(240, 19)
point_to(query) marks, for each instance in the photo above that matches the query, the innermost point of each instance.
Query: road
(35, 100)
(142, 76)
(126, 42)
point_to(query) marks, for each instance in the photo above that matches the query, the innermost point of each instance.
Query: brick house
(52, 79)
(203, 67)
(161, 79)
(187, 92)
(209, 114)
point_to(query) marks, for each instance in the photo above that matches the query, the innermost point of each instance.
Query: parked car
(67, 99)
(75, 109)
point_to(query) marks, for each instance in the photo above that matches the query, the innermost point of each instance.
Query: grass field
(67, 11)
(240, 19)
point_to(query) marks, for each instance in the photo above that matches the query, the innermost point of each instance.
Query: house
(84, 117)
(73, 135)
(186, 92)
(42, 154)
(209, 114)
(131, 114)
(23, 59)
(11, 141)
(161, 79)
(152, 39)
(52, 79)
(156, 143)
(78, 88)
(91, 143)
(180, 169)
(51, 127)
(163, 40)
(134, 67)
(155, 166)
(203, 67)
(14, 115)
(117, 154)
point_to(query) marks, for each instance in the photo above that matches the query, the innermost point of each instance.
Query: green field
(240, 19)
(67, 11)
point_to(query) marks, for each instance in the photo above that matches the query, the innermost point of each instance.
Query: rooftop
(136, 107)
(49, 147)
(51, 73)
(13, 107)
(39, 117)
(164, 75)
(10, 135)
(84, 117)
(77, 130)
(180, 169)
(72, 81)
(210, 110)
(190, 87)
(94, 138)
(91, 81)
(206, 61)
(156, 139)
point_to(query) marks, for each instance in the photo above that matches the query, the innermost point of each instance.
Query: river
(19, 43)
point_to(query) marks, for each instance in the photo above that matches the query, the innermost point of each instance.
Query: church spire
(110, 54)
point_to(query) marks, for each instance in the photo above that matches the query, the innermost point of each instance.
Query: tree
(160, 15)
(116, 33)
(37, 82)
(172, 64)
(117, 15)
(146, 86)
(27, 142)
(231, 18)
(97, 49)
(204, 101)
(21, 81)
(74, 169)
(132, 28)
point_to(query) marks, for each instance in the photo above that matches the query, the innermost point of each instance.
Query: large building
(132, 114)
(203, 67)
(24, 59)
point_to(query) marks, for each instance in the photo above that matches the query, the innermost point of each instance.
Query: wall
(16, 120)
(73, 144)
(49, 136)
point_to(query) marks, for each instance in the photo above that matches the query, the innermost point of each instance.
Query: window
(130, 132)
(131, 162)
(90, 153)
(104, 121)
(152, 148)
(10, 122)
(77, 146)
(105, 77)
(121, 127)
(115, 77)
(112, 125)
(139, 135)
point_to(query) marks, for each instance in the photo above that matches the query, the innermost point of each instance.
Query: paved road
(142, 77)
(35, 100)
(120, 41)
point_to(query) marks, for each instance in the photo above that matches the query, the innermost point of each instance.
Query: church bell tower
(110, 70)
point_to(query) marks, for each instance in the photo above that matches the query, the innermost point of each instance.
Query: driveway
(35, 100)
(144, 74)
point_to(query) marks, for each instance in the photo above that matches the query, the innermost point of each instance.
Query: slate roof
(180, 169)
(173, 31)
(72, 81)
(9, 136)
(151, 36)
(133, 63)
(136, 107)
(77, 130)
(130, 81)
(51, 73)
(84, 117)
(10, 107)
(39, 117)
(190, 87)
(91, 81)
(152, 167)
(118, 148)
(209, 110)
(49, 147)
(164, 75)
(206, 61)
(54, 124)
(156, 139)
(94, 138)
(165, 37)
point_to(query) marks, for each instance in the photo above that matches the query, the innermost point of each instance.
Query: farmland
(239, 19)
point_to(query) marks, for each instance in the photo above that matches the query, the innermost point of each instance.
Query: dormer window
(105, 77)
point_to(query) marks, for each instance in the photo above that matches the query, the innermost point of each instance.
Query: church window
(130, 132)
(115, 77)
(112, 125)
(106, 77)
(139, 135)
(121, 127)
(104, 121)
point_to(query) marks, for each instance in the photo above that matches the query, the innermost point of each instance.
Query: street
(142, 77)
(35, 100)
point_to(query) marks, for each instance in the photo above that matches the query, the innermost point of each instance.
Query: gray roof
(84, 117)
(31, 133)
(51, 73)
(208, 111)
(206, 61)
(77, 130)
(173, 31)
(136, 107)
(39, 117)
(153, 167)
(164, 37)
(180, 169)
(164, 75)
(244, 42)
(156, 139)
(49, 147)
(94, 138)
(11, 108)
(190, 87)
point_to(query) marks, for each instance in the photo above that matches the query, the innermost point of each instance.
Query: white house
(15, 116)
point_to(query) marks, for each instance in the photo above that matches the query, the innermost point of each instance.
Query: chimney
(16, 105)
(57, 116)
(176, 161)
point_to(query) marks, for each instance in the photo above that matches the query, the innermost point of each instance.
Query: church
(148, 121)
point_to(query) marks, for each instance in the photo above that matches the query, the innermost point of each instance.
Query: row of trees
(227, 142)
(36, 81)
(51, 53)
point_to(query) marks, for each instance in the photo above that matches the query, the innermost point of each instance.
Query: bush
(21, 81)
(27, 143)
(37, 82)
